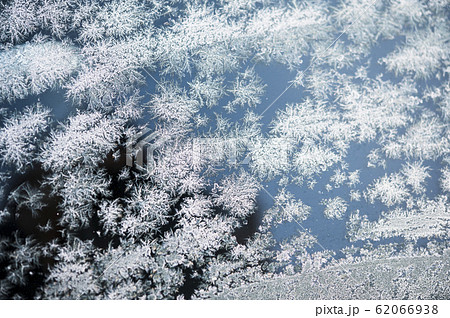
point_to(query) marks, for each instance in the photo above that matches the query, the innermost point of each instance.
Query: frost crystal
(335, 208)
(187, 149)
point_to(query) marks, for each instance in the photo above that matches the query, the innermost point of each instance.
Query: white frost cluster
(335, 208)
(151, 185)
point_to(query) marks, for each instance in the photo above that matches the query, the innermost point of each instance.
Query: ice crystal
(199, 142)
(335, 208)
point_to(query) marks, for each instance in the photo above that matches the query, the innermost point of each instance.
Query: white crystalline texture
(390, 190)
(415, 175)
(314, 159)
(423, 54)
(335, 208)
(426, 139)
(237, 194)
(247, 89)
(286, 209)
(86, 139)
(149, 187)
(34, 67)
(429, 219)
(19, 134)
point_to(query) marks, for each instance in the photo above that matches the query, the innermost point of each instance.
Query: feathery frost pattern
(223, 149)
